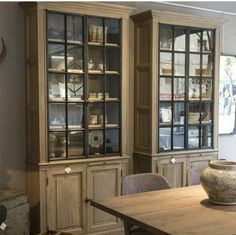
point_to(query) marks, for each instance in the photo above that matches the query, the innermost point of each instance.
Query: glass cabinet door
(84, 77)
(186, 77)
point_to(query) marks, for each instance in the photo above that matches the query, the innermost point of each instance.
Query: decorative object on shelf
(3, 50)
(54, 34)
(219, 182)
(91, 65)
(75, 84)
(100, 95)
(95, 138)
(58, 62)
(52, 144)
(93, 119)
(107, 95)
(101, 119)
(92, 95)
(62, 147)
(96, 33)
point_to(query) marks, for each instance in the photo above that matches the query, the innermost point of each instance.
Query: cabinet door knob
(68, 170)
(172, 160)
(87, 200)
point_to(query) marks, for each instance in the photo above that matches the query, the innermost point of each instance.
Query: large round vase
(219, 182)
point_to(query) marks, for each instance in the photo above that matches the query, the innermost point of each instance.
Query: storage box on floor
(14, 213)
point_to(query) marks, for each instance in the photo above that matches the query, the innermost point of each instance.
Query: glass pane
(207, 65)
(207, 42)
(74, 29)
(56, 87)
(56, 56)
(96, 142)
(194, 89)
(206, 113)
(206, 136)
(112, 30)
(194, 65)
(180, 38)
(179, 64)
(206, 89)
(165, 63)
(57, 145)
(96, 62)
(95, 115)
(165, 88)
(75, 116)
(112, 118)
(56, 27)
(57, 116)
(165, 37)
(165, 113)
(75, 87)
(178, 137)
(112, 87)
(193, 137)
(195, 40)
(112, 60)
(112, 141)
(164, 139)
(194, 113)
(95, 30)
(179, 113)
(76, 143)
(75, 62)
(96, 87)
(179, 88)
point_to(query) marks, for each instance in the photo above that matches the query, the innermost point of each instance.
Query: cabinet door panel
(66, 209)
(173, 169)
(103, 181)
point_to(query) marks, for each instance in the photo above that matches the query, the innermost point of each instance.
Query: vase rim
(223, 165)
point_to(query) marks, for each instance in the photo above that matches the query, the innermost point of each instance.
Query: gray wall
(12, 84)
(12, 99)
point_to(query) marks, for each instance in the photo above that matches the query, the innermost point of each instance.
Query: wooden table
(178, 211)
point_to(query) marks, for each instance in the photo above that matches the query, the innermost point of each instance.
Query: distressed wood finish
(146, 66)
(179, 211)
(47, 184)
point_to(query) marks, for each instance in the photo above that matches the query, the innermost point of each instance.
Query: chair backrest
(145, 182)
(194, 176)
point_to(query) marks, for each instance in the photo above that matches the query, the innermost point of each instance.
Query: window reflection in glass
(75, 143)
(112, 87)
(112, 29)
(95, 60)
(180, 38)
(179, 64)
(179, 89)
(195, 40)
(112, 141)
(194, 113)
(75, 116)
(178, 138)
(193, 137)
(75, 62)
(75, 87)
(206, 136)
(112, 60)
(165, 113)
(194, 88)
(165, 88)
(206, 88)
(165, 63)
(56, 27)
(164, 138)
(194, 65)
(206, 65)
(74, 29)
(165, 37)
(206, 113)
(57, 117)
(57, 145)
(179, 113)
(112, 118)
(56, 87)
(207, 42)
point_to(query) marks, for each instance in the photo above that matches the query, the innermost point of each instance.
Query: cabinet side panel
(32, 86)
(142, 107)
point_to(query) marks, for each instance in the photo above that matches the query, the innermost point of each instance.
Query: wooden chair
(140, 183)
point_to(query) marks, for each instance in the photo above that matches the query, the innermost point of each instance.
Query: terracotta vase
(219, 182)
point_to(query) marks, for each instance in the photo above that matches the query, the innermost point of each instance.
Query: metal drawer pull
(172, 160)
(68, 170)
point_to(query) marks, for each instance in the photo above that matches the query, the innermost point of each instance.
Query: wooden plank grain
(179, 211)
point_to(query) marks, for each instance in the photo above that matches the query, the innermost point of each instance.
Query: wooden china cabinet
(78, 113)
(176, 93)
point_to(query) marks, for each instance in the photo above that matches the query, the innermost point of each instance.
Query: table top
(178, 211)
